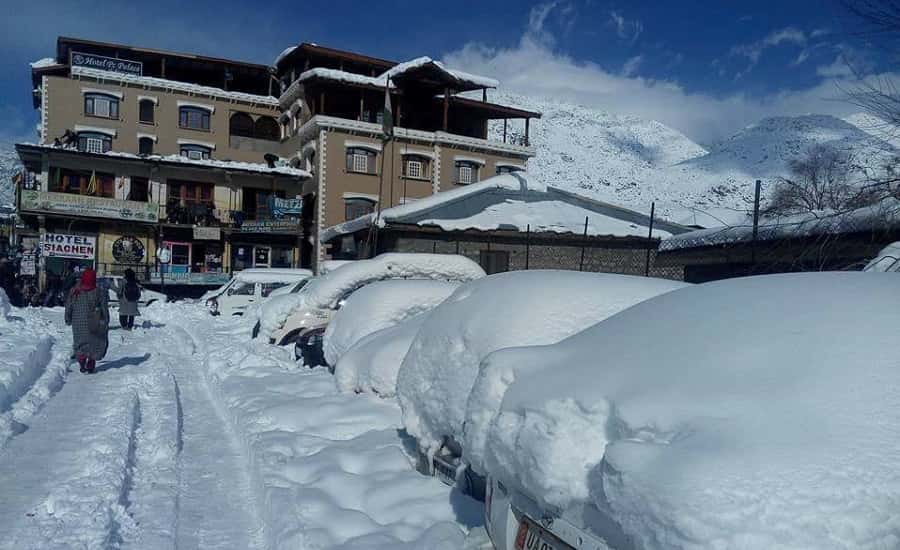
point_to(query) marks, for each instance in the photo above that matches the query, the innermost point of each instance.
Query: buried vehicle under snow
(757, 412)
(505, 310)
(302, 318)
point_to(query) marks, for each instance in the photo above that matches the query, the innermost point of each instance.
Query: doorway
(262, 256)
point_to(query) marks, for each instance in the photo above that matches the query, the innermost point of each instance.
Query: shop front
(265, 243)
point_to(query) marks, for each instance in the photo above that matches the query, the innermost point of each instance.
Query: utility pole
(755, 222)
(649, 239)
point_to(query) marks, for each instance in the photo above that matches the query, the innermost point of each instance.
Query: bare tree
(817, 181)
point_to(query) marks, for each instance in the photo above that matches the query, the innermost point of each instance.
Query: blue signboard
(103, 63)
(285, 207)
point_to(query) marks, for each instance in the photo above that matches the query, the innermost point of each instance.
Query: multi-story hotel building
(230, 165)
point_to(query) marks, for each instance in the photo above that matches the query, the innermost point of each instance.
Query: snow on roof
(508, 309)
(511, 201)
(788, 403)
(273, 275)
(284, 53)
(884, 214)
(175, 85)
(44, 62)
(178, 159)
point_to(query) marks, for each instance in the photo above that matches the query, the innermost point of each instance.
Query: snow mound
(373, 363)
(887, 260)
(274, 311)
(500, 311)
(378, 306)
(749, 413)
(5, 306)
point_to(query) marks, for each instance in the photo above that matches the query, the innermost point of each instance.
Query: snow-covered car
(307, 313)
(111, 282)
(757, 412)
(378, 306)
(504, 310)
(887, 260)
(249, 287)
(372, 364)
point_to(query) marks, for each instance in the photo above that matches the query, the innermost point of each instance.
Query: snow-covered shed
(808, 241)
(510, 222)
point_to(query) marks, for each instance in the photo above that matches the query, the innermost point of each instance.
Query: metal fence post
(649, 240)
(755, 224)
(527, 244)
(583, 245)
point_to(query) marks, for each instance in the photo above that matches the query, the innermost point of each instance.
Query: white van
(249, 287)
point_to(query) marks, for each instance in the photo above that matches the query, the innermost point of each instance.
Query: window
(361, 161)
(145, 146)
(140, 189)
(507, 169)
(94, 142)
(266, 128)
(415, 167)
(190, 192)
(466, 172)
(267, 288)
(193, 118)
(101, 105)
(195, 152)
(357, 207)
(83, 183)
(240, 124)
(146, 111)
(242, 289)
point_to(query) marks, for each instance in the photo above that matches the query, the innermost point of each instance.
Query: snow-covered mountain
(9, 165)
(633, 162)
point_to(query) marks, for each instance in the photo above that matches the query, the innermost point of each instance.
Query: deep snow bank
(749, 413)
(500, 311)
(372, 364)
(378, 306)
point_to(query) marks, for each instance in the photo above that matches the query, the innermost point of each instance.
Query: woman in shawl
(87, 312)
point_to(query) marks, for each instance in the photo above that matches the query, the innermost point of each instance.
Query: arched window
(360, 161)
(146, 112)
(94, 142)
(195, 152)
(355, 207)
(101, 105)
(193, 118)
(416, 167)
(266, 128)
(240, 124)
(145, 146)
(466, 172)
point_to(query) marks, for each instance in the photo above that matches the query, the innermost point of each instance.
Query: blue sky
(704, 67)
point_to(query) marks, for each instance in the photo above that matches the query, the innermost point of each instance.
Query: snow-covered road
(190, 436)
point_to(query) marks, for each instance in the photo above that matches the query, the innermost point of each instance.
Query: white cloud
(631, 66)
(533, 67)
(626, 29)
(754, 50)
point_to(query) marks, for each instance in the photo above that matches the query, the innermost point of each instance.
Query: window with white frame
(101, 105)
(508, 169)
(195, 152)
(360, 161)
(355, 207)
(94, 142)
(193, 118)
(466, 172)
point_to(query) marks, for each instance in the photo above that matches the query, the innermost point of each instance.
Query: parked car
(249, 287)
(304, 316)
(111, 282)
(887, 260)
(663, 425)
(518, 308)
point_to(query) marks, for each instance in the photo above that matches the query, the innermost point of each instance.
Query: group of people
(87, 311)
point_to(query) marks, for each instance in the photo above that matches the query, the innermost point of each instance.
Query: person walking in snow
(129, 293)
(87, 311)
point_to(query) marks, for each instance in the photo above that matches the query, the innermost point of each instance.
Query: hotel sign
(85, 205)
(103, 63)
(61, 245)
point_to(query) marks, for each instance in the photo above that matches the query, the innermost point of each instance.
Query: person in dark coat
(87, 311)
(129, 293)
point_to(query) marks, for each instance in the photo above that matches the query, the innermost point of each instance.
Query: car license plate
(533, 537)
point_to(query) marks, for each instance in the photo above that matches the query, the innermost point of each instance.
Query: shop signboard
(207, 233)
(62, 245)
(28, 265)
(112, 64)
(283, 225)
(285, 207)
(85, 205)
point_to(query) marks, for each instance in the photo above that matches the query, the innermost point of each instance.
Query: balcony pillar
(527, 140)
(362, 95)
(504, 130)
(446, 106)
